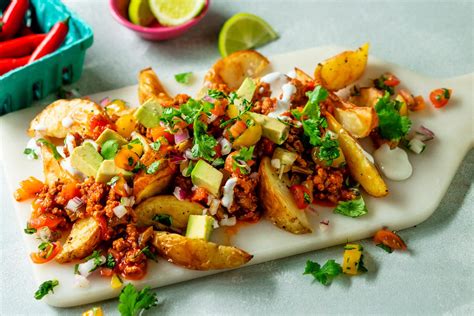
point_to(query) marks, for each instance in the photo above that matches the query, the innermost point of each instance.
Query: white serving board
(409, 203)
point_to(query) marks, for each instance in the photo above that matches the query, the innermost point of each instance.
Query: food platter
(409, 203)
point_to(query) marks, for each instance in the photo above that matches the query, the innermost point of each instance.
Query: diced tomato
(47, 254)
(106, 272)
(199, 195)
(419, 104)
(440, 97)
(159, 131)
(237, 129)
(389, 239)
(46, 220)
(28, 189)
(98, 123)
(302, 196)
(391, 80)
(218, 150)
(219, 108)
(126, 159)
(104, 230)
(70, 190)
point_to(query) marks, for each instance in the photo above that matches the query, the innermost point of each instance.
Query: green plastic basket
(20, 87)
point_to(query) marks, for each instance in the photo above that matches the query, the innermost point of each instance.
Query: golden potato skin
(361, 169)
(197, 254)
(233, 69)
(52, 169)
(83, 238)
(343, 69)
(358, 121)
(147, 185)
(49, 121)
(150, 86)
(169, 205)
(302, 76)
(278, 202)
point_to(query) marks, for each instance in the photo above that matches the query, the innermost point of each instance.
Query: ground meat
(245, 202)
(329, 184)
(262, 90)
(264, 106)
(94, 195)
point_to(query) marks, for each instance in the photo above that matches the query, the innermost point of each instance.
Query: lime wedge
(139, 12)
(175, 12)
(244, 31)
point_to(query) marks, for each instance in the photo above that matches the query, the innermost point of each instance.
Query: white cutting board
(409, 203)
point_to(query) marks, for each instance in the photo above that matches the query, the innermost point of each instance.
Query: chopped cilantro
(392, 125)
(311, 130)
(76, 269)
(45, 288)
(110, 261)
(51, 146)
(97, 257)
(189, 169)
(183, 77)
(204, 144)
(329, 149)
(314, 98)
(139, 166)
(153, 167)
(109, 149)
(29, 230)
(324, 274)
(379, 83)
(216, 94)
(133, 302)
(352, 208)
(240, 160)
(218, 162)
(164, 219)
(385, 247)
(155, 145)
(31, 153)
(147, 252)
(307, 198)
(130, 161)
(361, 267)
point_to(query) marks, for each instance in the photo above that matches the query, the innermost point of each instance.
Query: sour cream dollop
(393, 163)
(228, 196)
(282, 90)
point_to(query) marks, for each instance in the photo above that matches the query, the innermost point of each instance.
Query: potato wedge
(343, 69)
(53, 171)
(233, 69)
(198, 254)
(278, 203)
(83, 238)
(302, 76)
(179, 212)
(361, 169)
(50, 121)
(367, 96)
(358, 121)
(150, 86)
(147, 185)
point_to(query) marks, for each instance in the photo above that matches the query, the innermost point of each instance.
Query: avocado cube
(206, 176)
(86, 159)
(272, 128)
(199, 227)
(109, 134)
(149, 113)
(108, 170)
(246, 89)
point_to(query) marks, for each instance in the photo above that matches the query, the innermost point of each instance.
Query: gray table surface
(434, 277)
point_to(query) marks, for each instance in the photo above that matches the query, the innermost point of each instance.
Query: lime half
(244, 31)
(175, 12)
(139, 12)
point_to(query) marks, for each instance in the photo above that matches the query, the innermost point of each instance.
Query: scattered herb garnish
(113, 180)
(132, 301)
(155, 145)
(164, 219)
(153, 167)
(76, 269)
(109, 149)
(216, 94)
(240, 160)
(29, 230)
(329, 149)
(379, 83)
(51, 146)
(189, 169)
(183, 77)
(147, 252)
(324, 274)
(31, 153)
(352, 208)
(45, 288)
(110, 261)
(392, 125)
(97, 257)
(385, 247)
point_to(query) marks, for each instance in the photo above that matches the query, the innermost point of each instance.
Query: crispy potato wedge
(83, 238)
(198, 254)
(343, 69)
(358, 121)
(278, 203)
(53, 171)
(302, 76)
(360, 167)
(150, 86)
(147, 185)
(233, 69)
(179, 212)
(367, 96)
(50, 121)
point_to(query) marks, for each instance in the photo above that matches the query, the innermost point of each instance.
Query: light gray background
(434, 277)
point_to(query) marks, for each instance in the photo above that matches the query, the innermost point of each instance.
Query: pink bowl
(154, 32)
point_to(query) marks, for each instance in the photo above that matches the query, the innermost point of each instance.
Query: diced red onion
(86, 267)
(188, 154)
(44, 233)
(208, 99)
(424, 134)
(181, 136)
(104, 101)
(75, 204)
(214, 206)
(120, 211)
(127, 201)
(211, 118)
(244, 164)
(81, 281)
(231, 221)
(416, 145)
(177, 159)
(179, 193)
(226, 146)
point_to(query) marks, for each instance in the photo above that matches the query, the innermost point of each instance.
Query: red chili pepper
(53, 40)
(8, 64)
(13, 18)
(20, 47)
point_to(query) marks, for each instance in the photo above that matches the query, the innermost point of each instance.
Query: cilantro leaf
(110, 261)
(153, 167)
(216, 94)
(329, 149)
(164, 219)
(97, 257)
(311, 130)
(183, 77)
(51, 146)
(155, 145)
(324, 274)
(31, 153)
(384, 247)
(392, 125)
(132, 301)
(352, 208)
(240, 160)
(109, 149)
(204, 144)
(314, 98)
(379, 83)
(29, 230)
(147, 252)
(45, 288)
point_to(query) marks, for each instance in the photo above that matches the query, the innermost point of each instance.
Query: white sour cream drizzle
(393, 163)
(69, 142)
(66, 164)
(281, 89)
(67, 121)
(228, 196)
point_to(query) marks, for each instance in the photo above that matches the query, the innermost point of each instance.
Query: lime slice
(175, 12)
(139, 12)
(244, 31)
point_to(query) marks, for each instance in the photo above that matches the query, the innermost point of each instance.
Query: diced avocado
(273, 129)
(286, 158)
(109, 134)
(108, 170)
(148, 114)
(142, 139)
(246, 89)
(206, 176)
(199, 227)
(86, 159)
